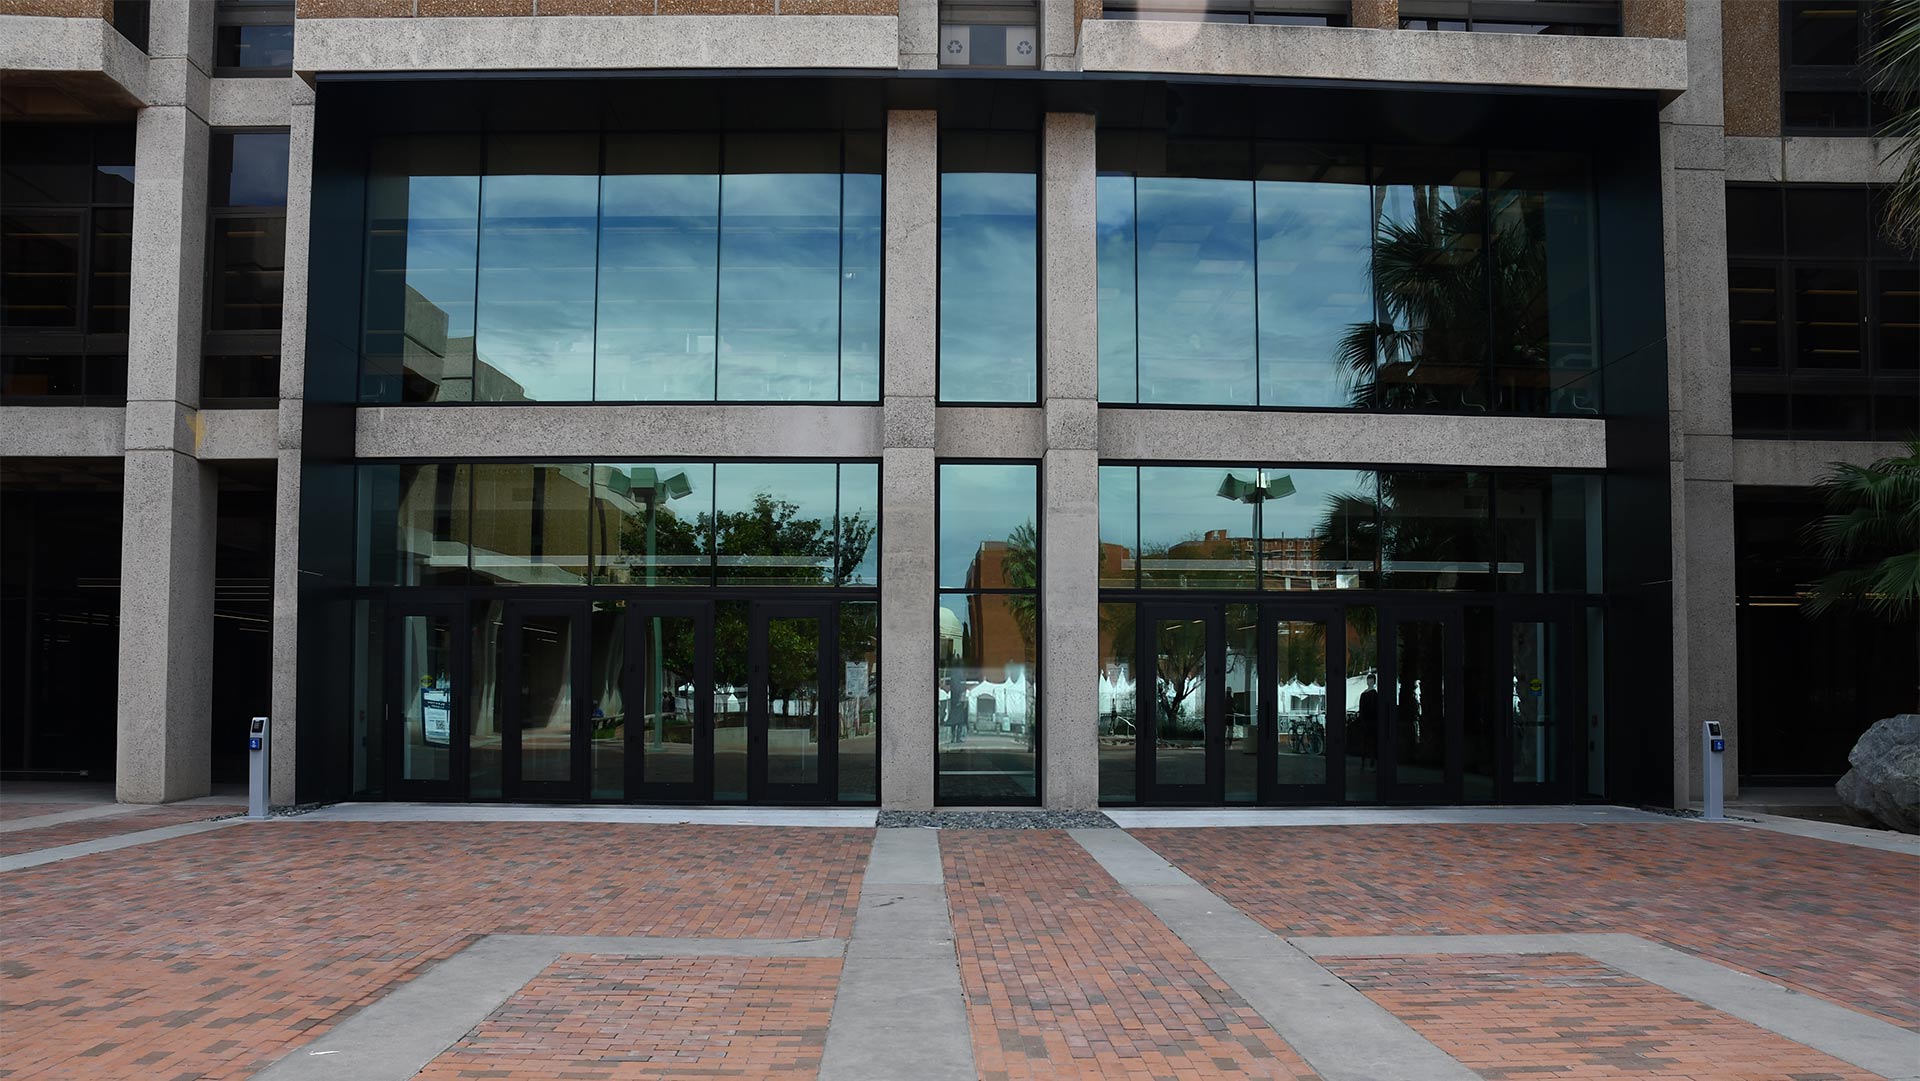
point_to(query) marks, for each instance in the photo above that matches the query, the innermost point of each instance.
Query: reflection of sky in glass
(1315, 248)
(810, 486)
(979, 503)
(1180, 503)
(860, 497)
(1196, 271)
(779, 286)
(989, 274)
(625, 490)
(537, 252)
(441, 215)
(1119, 522)
(860, 287)
(657, 264)
(1113, 213)
(1304, 513)
(259, 176)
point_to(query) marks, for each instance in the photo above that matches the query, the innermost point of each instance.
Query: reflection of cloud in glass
(1315, 248)
(980, 503)
(779, 286)
(1182, 502)
(1196, 268)
(536, 296)
(1113, 212)
(655, 326)
(989, 273)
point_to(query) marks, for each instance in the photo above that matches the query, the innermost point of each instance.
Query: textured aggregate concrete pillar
(919, 34)
(1070, 473)
(907, 626)
(286, 490)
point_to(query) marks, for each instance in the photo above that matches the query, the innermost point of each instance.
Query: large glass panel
(773, 523)
(1420, 702)
(1196, 333)
(987, 535)
(1119, 738)
(1119, 526)
(859, 714)
(1548, 533)
(793, 699)
(1753, 220)
(1753, 309)
(659, 267)
(1180, 701)
(1429, 278)
(731, 696)
(1314, 221)
(415, 525)
(423, 212)
(1826, 316)
(652, 523)
(546, 697)
(246, 269)
(1318, 529)
(987, 700)
(369, 697)
(249, 169)
(857, 547)
(426, 696)
(1243, 702)
(110, 275)
(1364, 715)
(530, 524)
(989, 268)
(1196, 526)
(862, 233)
(1300, 690)
(41, 284)
(1896, 310)
(1596, 727)
(670, 681)
(780, 268)
(1435, 528)
(254, 46)
(607, 714)
(1114, 235)
(1828, 223)
(487, 705)
(539, 205)
(1482, 720)
(1533, 724)
(1543, 335)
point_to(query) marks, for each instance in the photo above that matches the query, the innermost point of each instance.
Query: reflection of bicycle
(1309, 735)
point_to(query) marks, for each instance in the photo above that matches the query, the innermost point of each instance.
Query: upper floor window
(253, 37)
(1318, 276)
(66, 258)
(989, 267)
(1824, 315)
(246, 267)
(630, 267)
(1823, 44)
(1581, 18)
(989, 33)
(1283, 12)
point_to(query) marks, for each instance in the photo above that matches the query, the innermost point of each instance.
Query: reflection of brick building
(994, 638)
(1289, 563)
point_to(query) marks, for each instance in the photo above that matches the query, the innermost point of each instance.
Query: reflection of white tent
(1115, 693)
(1010, 698)
(1298, 697)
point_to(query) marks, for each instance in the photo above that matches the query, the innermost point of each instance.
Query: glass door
(1304, 686)
(1422, 651)
(1534, 696)
(1183, 761)
(424, 701)
(546, 692)
(668, 719)
(790, 747)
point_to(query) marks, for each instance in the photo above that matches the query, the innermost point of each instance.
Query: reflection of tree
(770, 527)
(1180, 665)
(1021, 568)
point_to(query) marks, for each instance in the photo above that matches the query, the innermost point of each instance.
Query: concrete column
(919, 35)
(907, 628)
(1693, 181)
(168, 533)
(286, 517)
(1070, 472)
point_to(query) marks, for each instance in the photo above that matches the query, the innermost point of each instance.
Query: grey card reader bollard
(259, 744)
(1713, 747)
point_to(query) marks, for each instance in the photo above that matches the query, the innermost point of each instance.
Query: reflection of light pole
(676, 486)
(1257, 492)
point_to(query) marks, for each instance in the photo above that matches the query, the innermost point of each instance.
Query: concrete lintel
(162, 425)
(1794, 463)
(237, 434)
(618, 431)
(38, 431)
(594, 42)
(1359, 438)
(968, 431)
(919, 34)
(1753, 159)
(1348, 53)
(1839, 159)
(250, 103)
(53, 45)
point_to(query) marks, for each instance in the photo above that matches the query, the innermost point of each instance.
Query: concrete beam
(1796, 463)
(238, 434)
(1358, 438)
(589, 42)
(35, 431)
(919, 34)
(613, 432)
(112, 72)
(1348, 53)
(250, 103)
(967, 431)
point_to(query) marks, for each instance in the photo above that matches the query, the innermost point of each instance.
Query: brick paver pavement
(1066, 975)
(1834, 920)
(10, 812)
(1568, 1016)
(93, 829)
(211, 955)
(597, 1018)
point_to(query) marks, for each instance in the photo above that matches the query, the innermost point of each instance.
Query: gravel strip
(996, 820)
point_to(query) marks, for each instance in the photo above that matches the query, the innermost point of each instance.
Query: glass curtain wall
(989, 267)
(986, 669)
(624, 266)
(1240, 273)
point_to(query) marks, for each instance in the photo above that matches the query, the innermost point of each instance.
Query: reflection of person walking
(1368, 737)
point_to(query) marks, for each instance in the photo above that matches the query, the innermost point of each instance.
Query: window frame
(255, 13)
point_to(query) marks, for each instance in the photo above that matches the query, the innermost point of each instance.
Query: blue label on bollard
(253, 744)
(1718, 744)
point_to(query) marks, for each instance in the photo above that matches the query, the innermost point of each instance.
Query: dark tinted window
(1753, 221)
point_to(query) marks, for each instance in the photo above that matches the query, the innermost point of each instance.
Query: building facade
(947, 402)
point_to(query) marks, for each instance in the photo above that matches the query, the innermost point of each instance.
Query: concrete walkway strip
(900, 1011)
(1343, 1034)
(22, 860)
(845, 817)
(1865, 1041)
(81, 813)
(397, 1037)
(1213, 818)
(1838, 832)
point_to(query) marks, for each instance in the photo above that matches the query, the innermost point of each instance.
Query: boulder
(1884, 783)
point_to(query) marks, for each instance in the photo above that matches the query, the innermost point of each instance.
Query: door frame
(759, 789)
(1565, 693)
(513, 787)
(1212, 615)
(454, 786)
(1333, 619)
(1450, 614)
(640, 608)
